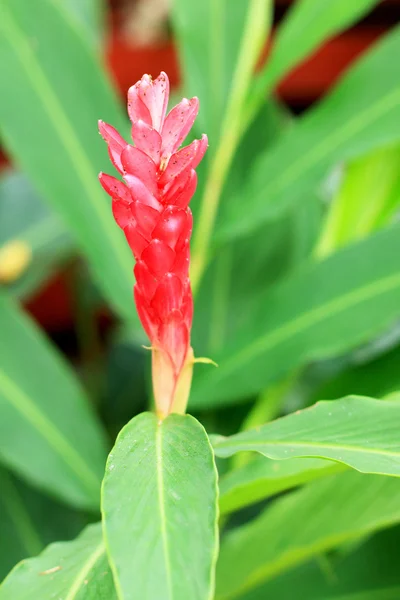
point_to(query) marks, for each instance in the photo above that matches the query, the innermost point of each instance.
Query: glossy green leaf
(368, 197)
(308, 24)
(354, 119)
(76, 570)
(262, 478)
(306, 523)
(159, 508)
(29, 521)
(24, 217)
(55, 93)
(48, 432)
(359, 432)
(323, 310)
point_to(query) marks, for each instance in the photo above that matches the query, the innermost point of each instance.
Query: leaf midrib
(24, 405)
(307, 319)
(87, 567)
(62, 126)
(161, 506)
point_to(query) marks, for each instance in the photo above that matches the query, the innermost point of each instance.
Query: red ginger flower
(152, 209)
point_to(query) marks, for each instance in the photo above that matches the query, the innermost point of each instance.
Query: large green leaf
(322, 310)
(359, 432)
(25, 218)
(355, 118)
(308, 24)
(55, 93)
(76, 570)
(160, 508)
(306, 523)
(261, 478)
(48, 432)
(29, 521)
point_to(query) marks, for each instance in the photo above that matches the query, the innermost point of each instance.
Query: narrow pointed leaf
(48, 433)
(76, 570)
(56, 91)
(321, 311)
(306, 523)
(359, 432)
(159, 508)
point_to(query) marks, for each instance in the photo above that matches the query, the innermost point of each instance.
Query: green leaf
(323, 310)
(76, 570)
(209, 36)
(24, 217)
(48, 63)
(382, 594)
(48, 432)
(159, 509)
(367, 199)
(306, 523)
(29, 520)
(371, 568)
(308, 24)
(377, 378)
(354, 119)
(262, 478)
(86, 14)
(358, 432)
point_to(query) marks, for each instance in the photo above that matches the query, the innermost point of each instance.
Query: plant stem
(257, 23)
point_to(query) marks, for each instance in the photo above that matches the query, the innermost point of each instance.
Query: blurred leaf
(56, 90)
(376, 378)
(262, 478)
(308, 24)
(209, 36)
(306, 523)
(368, 197)
(161, 532)
(76, 570)
(48, 432)
(354, 119)
(381, 594)
(29, 521)
(87, 14)
(23, 217)
(359, 432)
(126, 392)
(223, 299)
(322, 310)
(368, 570)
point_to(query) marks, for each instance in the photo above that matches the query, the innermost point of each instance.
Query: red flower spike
(152, 209)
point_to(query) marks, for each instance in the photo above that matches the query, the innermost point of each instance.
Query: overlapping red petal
(152, 209)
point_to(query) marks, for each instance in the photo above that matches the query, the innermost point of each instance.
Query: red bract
(152, 209)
